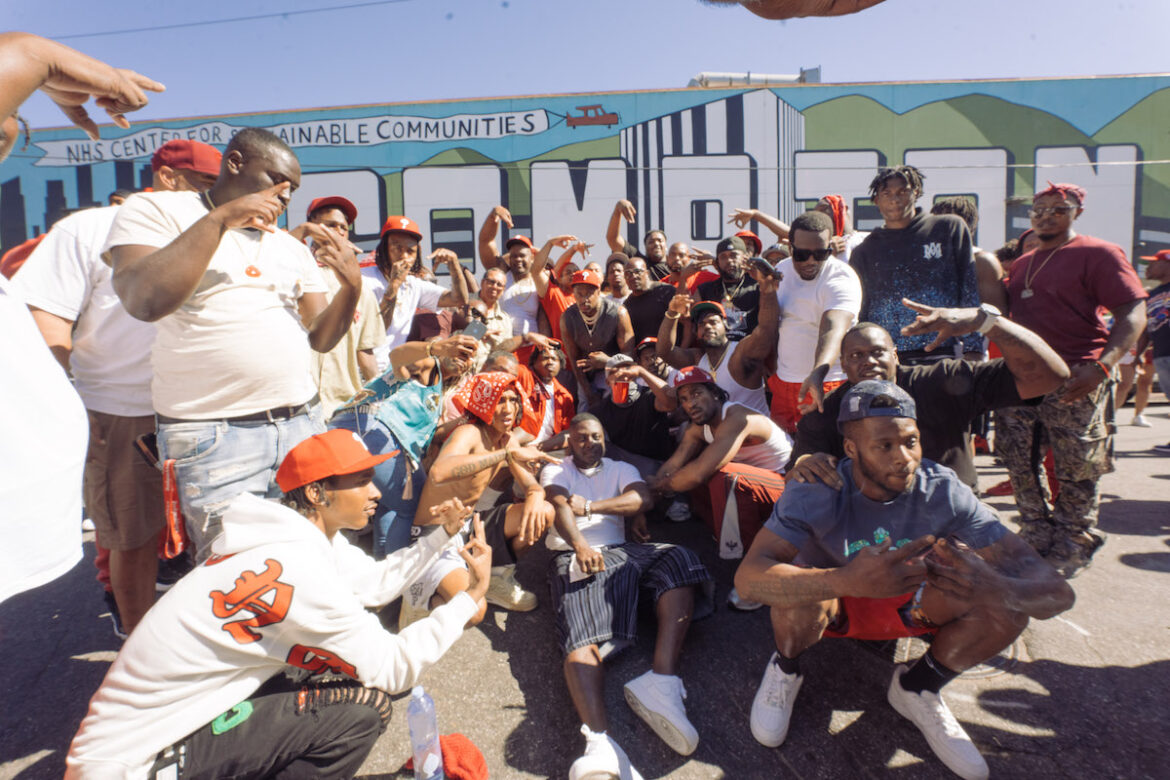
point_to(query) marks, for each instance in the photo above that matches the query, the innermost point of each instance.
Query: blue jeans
(217, 460)
(395, 514)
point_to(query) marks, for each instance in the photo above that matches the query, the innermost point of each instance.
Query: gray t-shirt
(829, 526)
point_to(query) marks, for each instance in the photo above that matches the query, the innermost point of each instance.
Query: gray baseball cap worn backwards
(875, 398)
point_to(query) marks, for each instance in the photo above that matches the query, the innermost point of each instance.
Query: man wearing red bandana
(485, 451)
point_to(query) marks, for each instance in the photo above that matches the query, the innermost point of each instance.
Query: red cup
(621, 392)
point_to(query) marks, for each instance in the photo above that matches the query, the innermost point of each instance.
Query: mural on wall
(685, 158)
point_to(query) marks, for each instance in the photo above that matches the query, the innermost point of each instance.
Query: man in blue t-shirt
(903, 548)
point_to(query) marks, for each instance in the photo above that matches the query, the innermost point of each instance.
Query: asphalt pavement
(1081, 695)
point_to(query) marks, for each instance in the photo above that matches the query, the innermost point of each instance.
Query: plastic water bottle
(424, 736)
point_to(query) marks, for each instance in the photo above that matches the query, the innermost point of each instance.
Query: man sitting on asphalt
(949, 393)
(596, 578)
(737, 453)
(903, 548)
(486, 451)
(197, 689)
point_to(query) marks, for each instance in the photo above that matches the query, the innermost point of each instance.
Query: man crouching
(595, 585)
(903, 549)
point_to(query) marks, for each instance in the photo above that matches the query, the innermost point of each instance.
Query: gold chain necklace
(1030, 275)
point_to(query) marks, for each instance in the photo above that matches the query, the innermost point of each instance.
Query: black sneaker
(172, 570)
(115, 615)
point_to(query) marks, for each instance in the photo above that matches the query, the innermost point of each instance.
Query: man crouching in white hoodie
(195, 691)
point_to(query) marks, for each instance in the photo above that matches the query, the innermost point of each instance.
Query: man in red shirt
(1059, 290)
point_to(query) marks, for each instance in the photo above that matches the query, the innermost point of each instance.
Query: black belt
(268, 415)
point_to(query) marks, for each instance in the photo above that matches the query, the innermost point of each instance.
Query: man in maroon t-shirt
(1058, 290)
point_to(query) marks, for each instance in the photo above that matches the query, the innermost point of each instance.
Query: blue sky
(412, 50)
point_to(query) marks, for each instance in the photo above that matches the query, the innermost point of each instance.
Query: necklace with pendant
(1030, 275)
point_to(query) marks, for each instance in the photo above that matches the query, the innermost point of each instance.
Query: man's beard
(714, 341)
(869, 474)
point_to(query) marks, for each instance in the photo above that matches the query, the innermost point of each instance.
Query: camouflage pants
(1081, 437)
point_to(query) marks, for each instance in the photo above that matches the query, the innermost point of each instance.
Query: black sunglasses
(820, 255)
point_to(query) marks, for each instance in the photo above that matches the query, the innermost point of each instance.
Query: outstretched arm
(489, 253)
(741, 218)
(623, 209)
(834, 323)
(666, 348)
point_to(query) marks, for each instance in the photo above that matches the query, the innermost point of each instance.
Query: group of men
(800, 406)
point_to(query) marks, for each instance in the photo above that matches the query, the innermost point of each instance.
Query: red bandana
(837, 204)
(481, 395)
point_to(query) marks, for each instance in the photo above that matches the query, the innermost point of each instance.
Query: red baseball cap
(401, 224)
(693, 375)
(525, 240)
(187, 156)
(649, 341)
(1161, 254)
(587, 277)
(337, 202)
(705, 307)
(327, 454)
(748, 235)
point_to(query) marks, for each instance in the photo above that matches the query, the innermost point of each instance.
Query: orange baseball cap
(336, 201)
(325, 455)
(401, 224)
(185, 155)
(587, 277)
(749, 236)
(525, 240)
(1161, 254)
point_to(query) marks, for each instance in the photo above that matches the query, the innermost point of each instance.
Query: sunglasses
(820, 255)
(1051, 210)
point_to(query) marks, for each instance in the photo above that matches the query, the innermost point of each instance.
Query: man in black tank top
(593, 330)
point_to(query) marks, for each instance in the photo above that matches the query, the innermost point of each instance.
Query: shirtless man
(483, 452)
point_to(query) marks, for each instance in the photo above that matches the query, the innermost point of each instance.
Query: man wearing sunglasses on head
(819, 298)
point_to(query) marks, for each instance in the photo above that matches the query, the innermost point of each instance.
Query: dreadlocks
(910, 176)
(962, 207)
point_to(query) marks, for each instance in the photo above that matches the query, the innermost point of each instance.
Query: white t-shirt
(521, 303)
(237, 345)
(42, 455)
(413, 294)
(801, 305)
(65, 276)
(609, 480)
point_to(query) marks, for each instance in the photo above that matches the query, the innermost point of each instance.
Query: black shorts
(604, 606)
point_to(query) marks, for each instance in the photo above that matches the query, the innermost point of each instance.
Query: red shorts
(785, 410)
(874, 619)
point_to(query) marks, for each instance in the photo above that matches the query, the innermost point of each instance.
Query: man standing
(949, 393)
(647, 301)
(233, 297)
(198, 689)
(654, 241)
(1060, 290)
(735, 290)
(520, 300)
(596, 577)
(902, 549)
(341, 372)
(399, 292)
(593, 330)
(818, 301)
(1157, 332)
(71, 294)
(737, 453)
(918, 256)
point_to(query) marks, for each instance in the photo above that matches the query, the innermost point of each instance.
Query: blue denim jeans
(395, 514)
(217, 460)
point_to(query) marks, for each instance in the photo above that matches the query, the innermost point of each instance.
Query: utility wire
(226, 21)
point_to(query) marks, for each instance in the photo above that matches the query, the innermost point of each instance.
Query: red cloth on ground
(756, 492)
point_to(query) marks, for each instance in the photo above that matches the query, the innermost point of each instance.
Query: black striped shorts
(605, 605)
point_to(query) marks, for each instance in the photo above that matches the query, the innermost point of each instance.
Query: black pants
(286, 730)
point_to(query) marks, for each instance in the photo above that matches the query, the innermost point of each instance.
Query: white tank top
(771, 455)
(753, 399)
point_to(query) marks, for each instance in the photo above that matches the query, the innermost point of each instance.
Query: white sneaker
(658, 700)
(946, 737)
(603, 760)
(772, 707)
(504, 591)
(735, 601)
(1140, 421)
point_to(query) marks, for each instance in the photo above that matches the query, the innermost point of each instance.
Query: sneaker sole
(660, 725)
(771, 740)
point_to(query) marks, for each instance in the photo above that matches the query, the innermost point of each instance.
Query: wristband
(1101, 366)
(675, 313)
(430, 346)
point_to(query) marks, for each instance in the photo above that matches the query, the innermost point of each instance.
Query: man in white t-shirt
(592, 497)
(520, 300)
(71, 295)
(819, 298)
(399, 292)
(239, 307)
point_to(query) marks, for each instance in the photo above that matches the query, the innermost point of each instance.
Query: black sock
(787, 665)
(927, 674)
